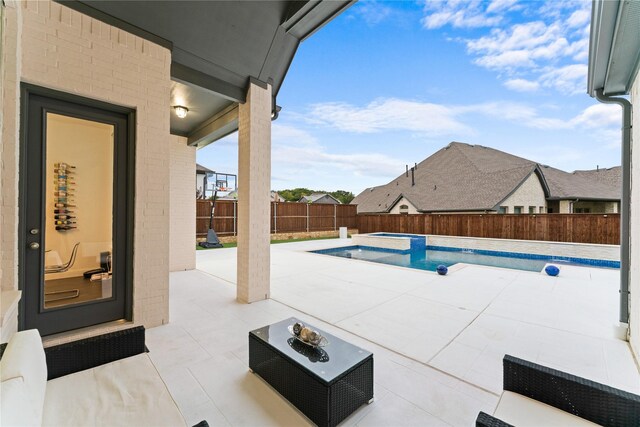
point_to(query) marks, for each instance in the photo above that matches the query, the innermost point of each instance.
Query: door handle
(34, 246)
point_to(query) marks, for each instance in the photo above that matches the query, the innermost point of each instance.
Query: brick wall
(596, 207)
(65, 50)
(530, 193)
(9, 149)
(182, 211)
(254, 171)
(634, 232)
(9, 94)
(564, 206)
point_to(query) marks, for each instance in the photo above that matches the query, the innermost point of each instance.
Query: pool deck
(438, 342)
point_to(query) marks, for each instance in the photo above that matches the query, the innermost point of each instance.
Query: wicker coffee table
(326, 384)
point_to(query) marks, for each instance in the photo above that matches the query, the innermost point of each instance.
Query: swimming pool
(433, 256)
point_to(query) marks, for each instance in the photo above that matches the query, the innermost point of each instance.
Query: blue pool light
(552, 270)
(442, 270)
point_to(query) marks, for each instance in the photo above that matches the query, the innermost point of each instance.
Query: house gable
(529, 196)
(398, 207)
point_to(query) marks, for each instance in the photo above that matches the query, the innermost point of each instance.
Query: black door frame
(36, 102)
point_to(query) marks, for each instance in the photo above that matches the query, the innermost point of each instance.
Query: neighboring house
(464, 178)
(275, 197)
(582, 192)
(321, 198)
(611, 176)
(202, 175)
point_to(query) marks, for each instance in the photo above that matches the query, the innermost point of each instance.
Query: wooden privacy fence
(285, 217)
(577, 228)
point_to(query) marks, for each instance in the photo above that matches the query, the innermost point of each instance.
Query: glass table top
(327, 363)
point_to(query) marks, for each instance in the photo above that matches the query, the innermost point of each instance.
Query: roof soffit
(218, 46)
(614, 46)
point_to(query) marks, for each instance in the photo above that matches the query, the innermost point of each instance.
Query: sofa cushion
(521, 411)
(127, 392)
(23, 376)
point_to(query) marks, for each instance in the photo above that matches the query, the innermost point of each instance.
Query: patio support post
(254, 207)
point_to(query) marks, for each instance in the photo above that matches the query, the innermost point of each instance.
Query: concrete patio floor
(438, 342)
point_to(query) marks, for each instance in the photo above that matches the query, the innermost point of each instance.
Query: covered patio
(438, 342)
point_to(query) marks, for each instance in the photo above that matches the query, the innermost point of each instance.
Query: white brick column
(254, 184)
(634, 226)
(182, 206)
(10, 67)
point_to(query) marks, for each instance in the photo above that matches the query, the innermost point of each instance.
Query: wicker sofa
(535, 395)
(107, 380)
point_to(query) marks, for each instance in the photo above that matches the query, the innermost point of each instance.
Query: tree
(295, 194)
(345, 197)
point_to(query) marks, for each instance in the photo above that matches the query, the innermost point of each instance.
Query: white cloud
(522, 85)
(550, 50)
(569, 79)
(463, 13)
(598, 116)
(579, 18)
(372, 11)
(437, 119)
(506, 60)
(523, 45)
(388, 114)
(296, 150)
(529, 35)
(500, 5)
(515, 112)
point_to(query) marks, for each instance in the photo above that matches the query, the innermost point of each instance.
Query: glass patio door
(74, 220)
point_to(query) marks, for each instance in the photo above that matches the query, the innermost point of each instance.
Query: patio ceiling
(216, 48)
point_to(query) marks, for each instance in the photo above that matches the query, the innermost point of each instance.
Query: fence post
(275, 217)
(235, 204)
(335, 215)
(307, 217)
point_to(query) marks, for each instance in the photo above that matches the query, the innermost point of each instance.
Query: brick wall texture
(182, 175)
(9, 149)
(67, 51)
(634, 232)
(530, 193)
(254, 201)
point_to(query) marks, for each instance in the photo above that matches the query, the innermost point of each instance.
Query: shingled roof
(202, 169)
(464, 177)
(579, 185)
(611, 176)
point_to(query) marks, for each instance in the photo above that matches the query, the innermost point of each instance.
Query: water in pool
(430, 259)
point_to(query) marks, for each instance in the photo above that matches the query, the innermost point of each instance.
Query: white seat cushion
(23, 376)
(128, 392)
(522, 411)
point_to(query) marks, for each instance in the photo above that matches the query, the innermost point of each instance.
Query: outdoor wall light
(181, 111)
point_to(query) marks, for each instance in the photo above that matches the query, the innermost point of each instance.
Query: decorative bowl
(319, 342)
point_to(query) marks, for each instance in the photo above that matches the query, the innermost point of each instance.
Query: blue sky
(389, 83)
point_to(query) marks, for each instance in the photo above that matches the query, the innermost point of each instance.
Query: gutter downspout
(624, 201)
